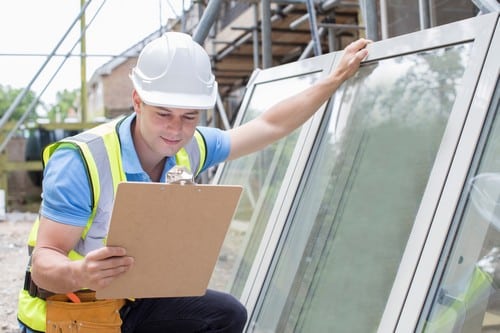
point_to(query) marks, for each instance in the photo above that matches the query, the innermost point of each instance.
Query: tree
(7, 97)
(65, 105)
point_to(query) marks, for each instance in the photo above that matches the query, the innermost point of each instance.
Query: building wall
(117, 89)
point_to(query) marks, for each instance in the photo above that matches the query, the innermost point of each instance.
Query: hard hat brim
(178, 100)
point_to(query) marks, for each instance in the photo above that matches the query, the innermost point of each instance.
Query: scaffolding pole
(83, 65)
(369, 13)
(267, 57)
(424, 10)
(255, 35)
(206, 21)
(314, 27)
(23, 93)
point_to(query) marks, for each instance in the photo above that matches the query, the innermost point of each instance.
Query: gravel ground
(13, 258)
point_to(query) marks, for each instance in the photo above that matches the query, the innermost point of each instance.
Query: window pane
(467, 297)
(261, 174)
(403, 16)
(337, 261)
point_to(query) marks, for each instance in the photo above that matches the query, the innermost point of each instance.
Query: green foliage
(7, 97)
(66, 103)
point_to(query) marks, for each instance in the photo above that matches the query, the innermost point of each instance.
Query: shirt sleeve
(66, 196)
(218, 145)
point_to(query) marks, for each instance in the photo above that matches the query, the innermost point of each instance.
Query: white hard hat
(175, 71)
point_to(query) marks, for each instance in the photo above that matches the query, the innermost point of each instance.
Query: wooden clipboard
(174, 232)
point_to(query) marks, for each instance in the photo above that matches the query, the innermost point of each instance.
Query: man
(173, 83)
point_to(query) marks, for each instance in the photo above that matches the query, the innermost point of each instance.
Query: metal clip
(179, 175)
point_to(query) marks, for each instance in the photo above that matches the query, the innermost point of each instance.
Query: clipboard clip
(179, 175)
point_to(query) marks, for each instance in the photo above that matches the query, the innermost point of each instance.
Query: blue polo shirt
(66, 188)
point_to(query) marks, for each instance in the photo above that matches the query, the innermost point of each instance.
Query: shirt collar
(130, 160)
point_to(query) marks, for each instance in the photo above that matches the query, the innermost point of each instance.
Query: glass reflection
(261, 174)
(468, 294)
(338, 258)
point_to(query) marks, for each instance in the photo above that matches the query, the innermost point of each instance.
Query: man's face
(166, 130)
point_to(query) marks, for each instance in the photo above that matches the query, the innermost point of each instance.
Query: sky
(37, 26)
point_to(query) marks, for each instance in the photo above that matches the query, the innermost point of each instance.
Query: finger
(361, 54)
(107, 252)
(111, 263)
(107, 276)
(358, 45)
(119, 262)
(358, 50)
(115, 251)
(114, 271)
(104, 282)
(110, 276)
(104, 272)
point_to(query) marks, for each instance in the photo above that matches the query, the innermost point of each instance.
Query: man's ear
(136, 100)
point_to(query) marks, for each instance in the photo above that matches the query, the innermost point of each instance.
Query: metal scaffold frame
(270, 33)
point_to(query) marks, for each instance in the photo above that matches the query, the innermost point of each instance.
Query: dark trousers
(213, 312)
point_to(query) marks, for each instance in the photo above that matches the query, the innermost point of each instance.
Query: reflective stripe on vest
(193, 154)
(101, 153)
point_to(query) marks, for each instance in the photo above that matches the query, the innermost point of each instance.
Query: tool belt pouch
(100, 316)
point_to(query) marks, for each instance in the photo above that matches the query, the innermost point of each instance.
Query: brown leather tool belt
(33, 289)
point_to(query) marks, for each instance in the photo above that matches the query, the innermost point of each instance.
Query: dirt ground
(13, 258)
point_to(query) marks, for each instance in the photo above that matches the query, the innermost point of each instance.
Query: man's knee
(234, 312)
(240, 314)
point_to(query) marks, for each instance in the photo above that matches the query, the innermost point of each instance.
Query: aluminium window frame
(321, 64)
(438, 37)
(291, 181)
(474, 99)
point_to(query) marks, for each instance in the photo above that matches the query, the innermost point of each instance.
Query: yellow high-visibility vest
(101, 153)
